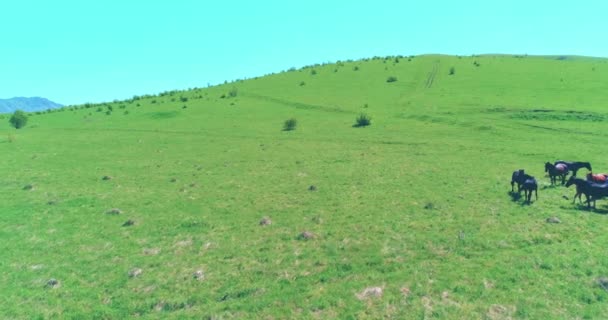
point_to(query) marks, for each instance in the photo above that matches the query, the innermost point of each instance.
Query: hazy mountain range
(27, 104)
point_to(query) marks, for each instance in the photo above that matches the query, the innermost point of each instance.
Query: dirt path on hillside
(431, 75)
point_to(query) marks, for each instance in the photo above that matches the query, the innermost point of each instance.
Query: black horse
(530, 185)
(592, 191)
(517, 177)
(558, 170)
(581, 188)
(574, 165)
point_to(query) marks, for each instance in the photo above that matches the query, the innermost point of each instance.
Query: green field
(417, 203)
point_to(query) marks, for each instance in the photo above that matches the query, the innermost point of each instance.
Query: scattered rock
(306, 235)
(37, 267)
(28, 187)
(497, 311)
(602, 282)
(136, 272)
(370, 292)
(184, 243)
(128, 223)
(312, 188)
(553, 220)
(106, 178)
(199, 275)
(114, 211)
(53, 283)
(159, 306)
(151, 251)
(265, 221)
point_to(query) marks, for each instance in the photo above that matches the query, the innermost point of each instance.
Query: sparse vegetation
(233, 92)
(290, 124)
(363, 120)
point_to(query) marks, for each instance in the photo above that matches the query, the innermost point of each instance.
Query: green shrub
(18, 119)
(391, 79)
(363, 120)
(452, 71)
(290, 124)
(233, 92)
(183, 99)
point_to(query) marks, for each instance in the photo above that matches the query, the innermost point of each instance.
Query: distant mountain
(27, 104)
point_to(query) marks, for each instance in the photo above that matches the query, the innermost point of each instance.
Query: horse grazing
(597, 178)
(530, 185)
(592, 191)
(558, 170)
(574, 165)
(581, 188)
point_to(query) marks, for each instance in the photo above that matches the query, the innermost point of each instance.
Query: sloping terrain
(414, 208)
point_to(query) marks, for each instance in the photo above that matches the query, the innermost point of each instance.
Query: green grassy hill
(417, 203)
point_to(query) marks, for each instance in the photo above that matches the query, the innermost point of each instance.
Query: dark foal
(528, 186)
(581, 188)
(519, 177)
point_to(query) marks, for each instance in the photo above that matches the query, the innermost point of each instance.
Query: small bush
(18, 119)
(452, 71)
(183, 99)
(290, 124)
(363, 120)
(313, 72)
(233, 92)
(391, 79)
(356, 68)
(302, 83)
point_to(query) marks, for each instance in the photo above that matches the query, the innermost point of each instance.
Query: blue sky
(92, 51)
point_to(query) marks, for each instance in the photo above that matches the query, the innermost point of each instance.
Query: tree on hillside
(18, 119)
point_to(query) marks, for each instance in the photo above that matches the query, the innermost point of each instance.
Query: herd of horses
(594, 187)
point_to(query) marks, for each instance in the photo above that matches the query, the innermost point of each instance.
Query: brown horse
(597, 178)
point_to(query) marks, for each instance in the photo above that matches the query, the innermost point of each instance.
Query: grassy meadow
(416, 204)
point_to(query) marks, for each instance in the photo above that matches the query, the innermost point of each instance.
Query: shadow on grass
(551, 186)
(515, 196)
(596, 210)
